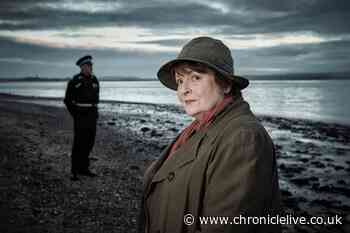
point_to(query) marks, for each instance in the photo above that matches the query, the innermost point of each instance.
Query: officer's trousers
(84, 139)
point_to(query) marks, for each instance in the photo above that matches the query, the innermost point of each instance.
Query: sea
(318, 100)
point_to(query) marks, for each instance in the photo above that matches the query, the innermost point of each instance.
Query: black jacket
(82, 90)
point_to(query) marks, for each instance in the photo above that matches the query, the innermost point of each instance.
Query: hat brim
(165, 77)
(87, 62)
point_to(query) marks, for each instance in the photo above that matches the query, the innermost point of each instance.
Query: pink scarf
(197, 125)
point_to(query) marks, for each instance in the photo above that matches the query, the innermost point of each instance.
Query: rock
(301, 181)
(282, 166)
(304, 160)
(285, 126)
(322, 202)
(140, 149)
(155, 134)
(318, 164)
(145, 129)
(173, 129)
(340, 151)
(315, 186)
(290, 202)
(315, 153)
(278, 147)
(331, 133)
(134, 167)
(302, 199)
(325, 188)
(289, 175)
(337, 167)
(110, 123)
(341, 190)
(286, 193)
(292, 168)
(142, 121)
(342, 182)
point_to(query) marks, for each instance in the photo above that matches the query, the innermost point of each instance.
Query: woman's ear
(224, 84)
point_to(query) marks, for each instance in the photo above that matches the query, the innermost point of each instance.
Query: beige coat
(226, 170)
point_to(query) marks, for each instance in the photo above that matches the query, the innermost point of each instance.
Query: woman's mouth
(189, 101)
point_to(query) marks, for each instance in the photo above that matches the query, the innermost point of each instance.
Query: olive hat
(208, 51)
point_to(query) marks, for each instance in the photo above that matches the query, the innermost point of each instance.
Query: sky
(135, 37)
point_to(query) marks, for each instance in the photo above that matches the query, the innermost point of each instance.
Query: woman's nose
(185, 87)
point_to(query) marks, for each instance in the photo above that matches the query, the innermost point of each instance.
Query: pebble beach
(38, 196)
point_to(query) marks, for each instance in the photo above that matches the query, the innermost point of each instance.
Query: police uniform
(81, 99)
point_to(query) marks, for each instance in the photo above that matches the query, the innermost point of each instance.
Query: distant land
(301, 76)
(46, 79)
(293, 76)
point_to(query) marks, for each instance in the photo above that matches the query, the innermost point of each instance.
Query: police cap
(84, 60)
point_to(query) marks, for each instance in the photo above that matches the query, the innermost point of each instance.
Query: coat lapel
(185, 154)
(155, 167)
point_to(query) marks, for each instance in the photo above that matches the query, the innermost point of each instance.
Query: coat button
(171, 176)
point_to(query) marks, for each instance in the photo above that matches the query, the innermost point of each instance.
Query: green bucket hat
(206, 50)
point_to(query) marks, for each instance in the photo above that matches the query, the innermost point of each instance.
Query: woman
(223, 164)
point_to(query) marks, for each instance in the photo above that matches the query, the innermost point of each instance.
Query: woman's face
(197, 91)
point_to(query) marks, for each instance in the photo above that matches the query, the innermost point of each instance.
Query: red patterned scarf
(196, 125)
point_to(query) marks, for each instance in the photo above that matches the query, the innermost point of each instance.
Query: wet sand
(38, 196)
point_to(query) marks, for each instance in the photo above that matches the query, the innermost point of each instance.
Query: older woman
(223, 164)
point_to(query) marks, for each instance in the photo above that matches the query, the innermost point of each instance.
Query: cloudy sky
(134, 37)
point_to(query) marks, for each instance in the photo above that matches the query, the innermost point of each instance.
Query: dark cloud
(253, 16)
(18, 59)
(321, 16)
(231, 19)
(330, 56)
(331, 50)
(40, 16)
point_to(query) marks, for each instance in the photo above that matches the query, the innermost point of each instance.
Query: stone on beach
(310, 166)
(301, 181)
(145, 129)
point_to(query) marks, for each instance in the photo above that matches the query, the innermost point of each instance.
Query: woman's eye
(196, 77)
(179, 81)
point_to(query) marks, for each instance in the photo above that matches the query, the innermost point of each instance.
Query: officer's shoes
(88, 173)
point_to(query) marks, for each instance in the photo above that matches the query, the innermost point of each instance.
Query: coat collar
(185, 154)
(238, 107)
(188, 152)
(163, 166)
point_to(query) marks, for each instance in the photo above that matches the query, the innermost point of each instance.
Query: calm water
(325, 100)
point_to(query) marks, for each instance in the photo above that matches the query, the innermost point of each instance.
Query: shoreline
(313, 159)
(171, 107)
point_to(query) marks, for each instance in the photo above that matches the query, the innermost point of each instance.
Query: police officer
(81, 99)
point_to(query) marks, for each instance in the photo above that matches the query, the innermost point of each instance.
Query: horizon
(281, 76)
(45, 37)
